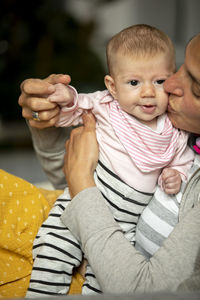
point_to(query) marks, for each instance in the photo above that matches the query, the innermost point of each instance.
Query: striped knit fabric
(149, 149)
(157, 222)
(159, 218)
(56, 252)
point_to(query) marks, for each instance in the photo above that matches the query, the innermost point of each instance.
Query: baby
(138, 149)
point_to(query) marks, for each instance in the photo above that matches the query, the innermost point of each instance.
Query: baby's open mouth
(148, 108)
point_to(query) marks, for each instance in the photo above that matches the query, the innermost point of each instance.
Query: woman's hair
(139, 40)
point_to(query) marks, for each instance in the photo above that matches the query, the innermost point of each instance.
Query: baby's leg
(90, 285)
(56, 252)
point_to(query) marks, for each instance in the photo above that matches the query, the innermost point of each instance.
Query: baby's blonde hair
(139, 40)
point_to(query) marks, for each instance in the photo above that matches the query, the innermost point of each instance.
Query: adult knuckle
(21, 100)
(34, 105)
(25, 114)
(22, 85)
(74, 133)
(51, 76)
(25, 85)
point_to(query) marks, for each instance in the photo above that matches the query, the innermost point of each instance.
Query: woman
(118, 267)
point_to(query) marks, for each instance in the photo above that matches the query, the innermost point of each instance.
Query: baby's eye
(160, 81)
(134, 82)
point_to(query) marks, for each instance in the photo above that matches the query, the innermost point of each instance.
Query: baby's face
(139, 85)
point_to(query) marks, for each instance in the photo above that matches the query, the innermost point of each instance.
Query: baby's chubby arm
(63, 95)
(171, 181)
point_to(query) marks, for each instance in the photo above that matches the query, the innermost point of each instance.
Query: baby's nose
(148, 90)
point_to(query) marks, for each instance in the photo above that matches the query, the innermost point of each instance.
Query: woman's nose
(173, 85)
(148, 90)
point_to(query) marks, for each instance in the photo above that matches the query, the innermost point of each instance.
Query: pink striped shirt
(148, 149)
(133, 151)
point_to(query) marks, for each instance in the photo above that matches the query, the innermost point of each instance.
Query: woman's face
(184, 89)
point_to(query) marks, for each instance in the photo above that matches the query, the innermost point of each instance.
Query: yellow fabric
(76, 284)
(15, 289)
(23, 208)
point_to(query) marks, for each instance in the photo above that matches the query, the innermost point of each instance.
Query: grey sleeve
(118, 266)
(192, 283)
(49, 145)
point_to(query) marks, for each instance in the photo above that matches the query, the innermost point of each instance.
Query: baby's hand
(171, 181)
(63, 95)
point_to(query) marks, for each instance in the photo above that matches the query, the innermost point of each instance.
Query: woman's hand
(81, 157)
(34, 99)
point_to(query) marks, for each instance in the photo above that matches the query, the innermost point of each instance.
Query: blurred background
(38, 38)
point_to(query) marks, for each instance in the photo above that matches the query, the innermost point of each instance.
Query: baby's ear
(110, 84)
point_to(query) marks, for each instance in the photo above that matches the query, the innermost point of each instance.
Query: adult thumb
(89, 121)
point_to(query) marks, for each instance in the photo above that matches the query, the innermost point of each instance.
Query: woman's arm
(49, 145)
(48, 141)
(119, 268)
